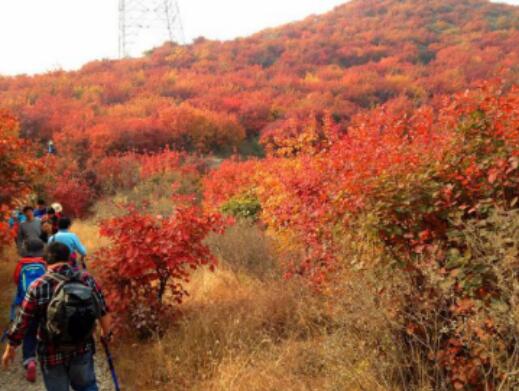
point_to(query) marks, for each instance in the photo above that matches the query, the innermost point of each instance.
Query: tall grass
(244, 328)
(7, 264)
(242, 331)
(88, 232)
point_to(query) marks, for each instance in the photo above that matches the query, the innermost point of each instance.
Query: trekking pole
(4, 335)
(104, 342)
(83, 263)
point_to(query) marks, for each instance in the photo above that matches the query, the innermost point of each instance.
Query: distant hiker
(57, 208)
(16, 219)
(30, 229)
(28, 270)
(41, 209)
(51, 148)
(66, 304)
(71, 240)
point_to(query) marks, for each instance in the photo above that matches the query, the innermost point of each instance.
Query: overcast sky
(42, 35)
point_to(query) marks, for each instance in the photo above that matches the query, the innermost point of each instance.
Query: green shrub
(246, 207)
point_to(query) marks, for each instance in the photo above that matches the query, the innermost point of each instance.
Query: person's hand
(107, 336)
(106, 328)
(8, 357)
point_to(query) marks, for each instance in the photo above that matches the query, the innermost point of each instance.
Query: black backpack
(72, 312)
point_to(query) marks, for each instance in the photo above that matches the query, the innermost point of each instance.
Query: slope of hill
(211, 96)
(375, 247)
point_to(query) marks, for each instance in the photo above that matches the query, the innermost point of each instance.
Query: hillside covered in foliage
(214, 96)
(362, 164)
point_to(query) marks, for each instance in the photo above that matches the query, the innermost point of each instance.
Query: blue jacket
(20, 218)
(70, 240)
(39, 213)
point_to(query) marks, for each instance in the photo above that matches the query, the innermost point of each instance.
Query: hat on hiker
(57, 207)
(34, 248)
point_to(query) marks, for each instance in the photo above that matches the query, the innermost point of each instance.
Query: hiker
(30, 229)
(51, 148)
(46, 231)
(52, 219)
(58, 209)
(28, 270)
(41, 209)
(69, 239)
(66, 304)
(16, 219)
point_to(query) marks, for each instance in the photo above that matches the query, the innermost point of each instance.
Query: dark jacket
(28, 230)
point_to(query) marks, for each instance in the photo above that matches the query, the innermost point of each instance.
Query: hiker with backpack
(17, 217)
(70, 239)
(28, 270)
(67, 304)
(52, 218)
(30, 229)
(41, 209)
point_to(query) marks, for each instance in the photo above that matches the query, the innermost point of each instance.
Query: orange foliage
(18, 170)
(209, 95)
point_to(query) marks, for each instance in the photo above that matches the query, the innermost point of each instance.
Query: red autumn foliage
(230, 179)
(150, 260)
(362, 113)
(209, 95)
(415, 175)
(19, 169)
(73, 191)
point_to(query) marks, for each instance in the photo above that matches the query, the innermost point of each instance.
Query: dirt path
(14, 379)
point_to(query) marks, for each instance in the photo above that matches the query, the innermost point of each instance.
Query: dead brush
(240, 331)
(230, 317)
(7, 264)
(88, 232)
(245, 248)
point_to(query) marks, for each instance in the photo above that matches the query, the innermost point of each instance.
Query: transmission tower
(147, 23)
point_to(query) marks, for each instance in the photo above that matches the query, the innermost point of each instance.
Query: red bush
(73, 192)
(150, 260)
(19, 169)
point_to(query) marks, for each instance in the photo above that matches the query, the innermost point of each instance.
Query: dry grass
(227, 318)
(245, 329)
(245, 248)
(241, 331)
(242, 334)
(88, 232)
(7, 264)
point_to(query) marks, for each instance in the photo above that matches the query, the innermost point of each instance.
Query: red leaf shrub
(150, 260)
(19, 169)
(73, 192)
(230, 179)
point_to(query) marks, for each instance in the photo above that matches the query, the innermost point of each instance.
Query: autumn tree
(18, 170)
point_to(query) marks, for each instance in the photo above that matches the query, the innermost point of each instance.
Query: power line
(148, 22)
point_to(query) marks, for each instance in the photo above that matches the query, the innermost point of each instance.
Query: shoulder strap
(60, 278)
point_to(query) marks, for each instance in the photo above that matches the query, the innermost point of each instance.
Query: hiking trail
(14, 378)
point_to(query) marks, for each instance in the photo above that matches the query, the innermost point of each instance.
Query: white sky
(42, 35)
